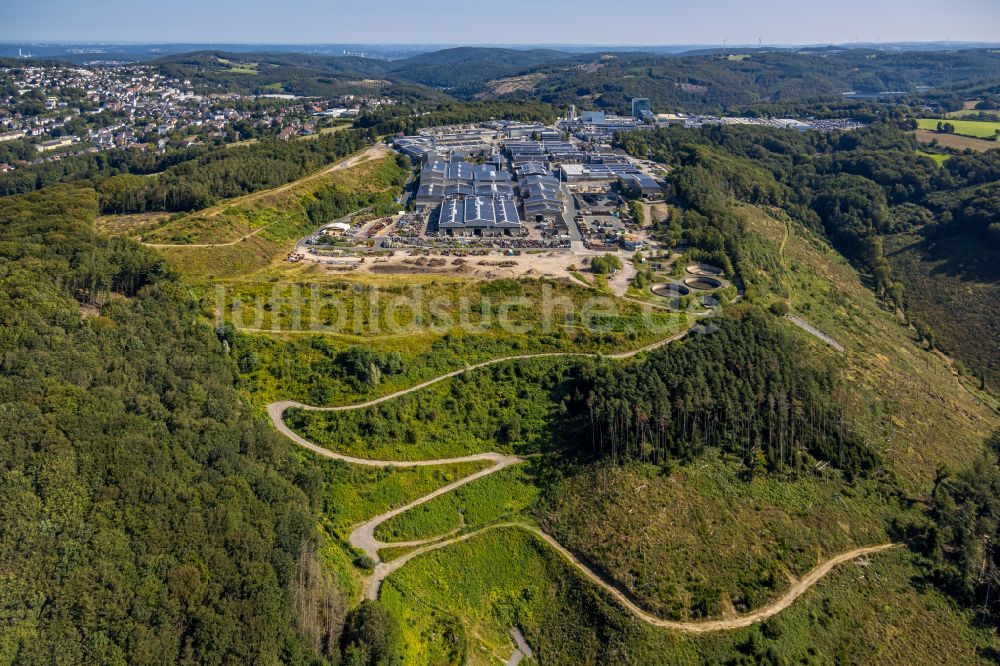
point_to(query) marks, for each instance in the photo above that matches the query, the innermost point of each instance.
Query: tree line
(746, 389)
(226, 173)
(407, 120)
(137, 181)
(854, 187)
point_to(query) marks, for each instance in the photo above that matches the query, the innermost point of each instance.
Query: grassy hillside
(507, 495)
(234, 218)
(861, 614)
(904, 397)
(698, 539)
(303, 365)
(249, 233)
(506, 407)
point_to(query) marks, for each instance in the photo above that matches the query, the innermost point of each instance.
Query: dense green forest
(147, 514)
(745, 389)
(394, 120)
(756, 79)
(857, 188)
(94, 166)
(135, 181)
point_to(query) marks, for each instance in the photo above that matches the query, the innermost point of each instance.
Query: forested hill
(291, 73)
(146, 514)
(457, 70)
(464, 70)
(602, 79)
(133, 180)
(753, 77)
(861, 190)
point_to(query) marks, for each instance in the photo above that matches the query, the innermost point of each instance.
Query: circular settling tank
(703, 269)
(703, 282)
(670, 290)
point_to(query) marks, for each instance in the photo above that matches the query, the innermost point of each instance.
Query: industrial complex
(560, 193)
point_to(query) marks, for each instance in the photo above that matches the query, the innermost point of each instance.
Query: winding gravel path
(363, 536)
(625, 598)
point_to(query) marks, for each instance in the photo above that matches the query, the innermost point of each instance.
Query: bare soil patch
(955, 141)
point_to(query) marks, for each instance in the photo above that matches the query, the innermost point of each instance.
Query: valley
(482, 355)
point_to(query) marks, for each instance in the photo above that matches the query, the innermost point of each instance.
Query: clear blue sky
(501, 21)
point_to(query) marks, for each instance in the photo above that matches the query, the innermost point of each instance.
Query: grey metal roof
(531, 168)
(494, 190)
(506, 214)
(460, 170)
(459, 189)
(452, 214)
(479, 212)
(438, 168)
(430, 190)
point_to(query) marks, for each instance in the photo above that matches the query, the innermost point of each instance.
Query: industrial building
(641, 183)
(541, 196)
(523, 169)
(524, 151)
(450, 145)
(576, 173)
(446, 179)
(640, 105)
(479, 216)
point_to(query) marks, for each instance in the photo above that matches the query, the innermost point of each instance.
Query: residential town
(58, 111)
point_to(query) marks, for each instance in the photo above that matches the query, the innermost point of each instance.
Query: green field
(974, 128)
(239, 67)
(965, 113)
(937, 157)
(506, 407)
(503, 496)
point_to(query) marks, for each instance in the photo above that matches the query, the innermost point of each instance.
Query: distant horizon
(636, 45)
(521, 23)
(122, 42)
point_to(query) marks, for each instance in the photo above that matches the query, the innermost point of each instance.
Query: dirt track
(383, 570)
(363, 536)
